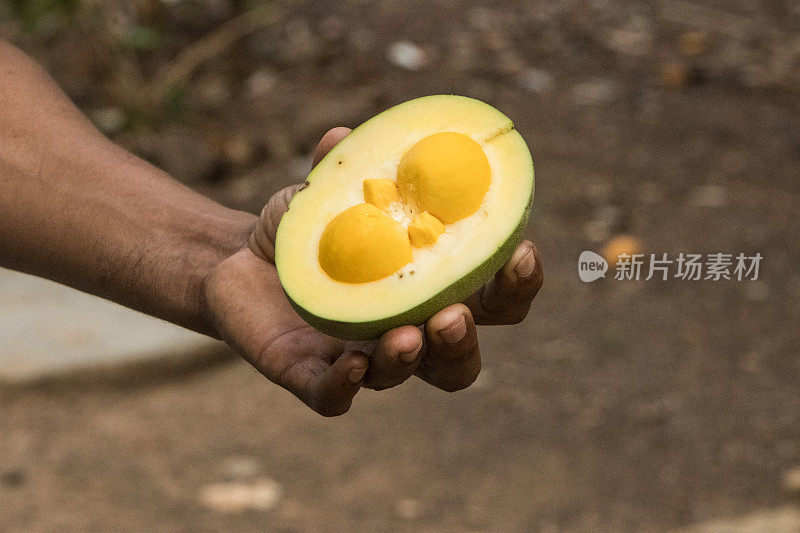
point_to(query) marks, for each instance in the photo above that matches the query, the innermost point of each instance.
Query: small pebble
(621, 244)
(261, 82)
(109, 119)
(536, 80)
(594, 92)
(261, 495)
(407, 55)
(633, 43)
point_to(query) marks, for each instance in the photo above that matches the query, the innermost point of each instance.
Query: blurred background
(617, 405)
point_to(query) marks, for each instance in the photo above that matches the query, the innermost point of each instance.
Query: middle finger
(395, 358)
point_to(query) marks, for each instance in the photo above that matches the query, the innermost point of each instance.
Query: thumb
(262, 240)
(328, 141)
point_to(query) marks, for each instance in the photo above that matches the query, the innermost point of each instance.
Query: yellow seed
(363, 244)
(424, 230)
(381, 193)
(619, 245)
(446, 174)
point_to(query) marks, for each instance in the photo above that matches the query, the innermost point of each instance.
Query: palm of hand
(247, 307)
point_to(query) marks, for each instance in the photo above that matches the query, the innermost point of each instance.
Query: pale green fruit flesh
(463, 258)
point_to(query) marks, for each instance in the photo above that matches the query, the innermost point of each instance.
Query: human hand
(245, 303)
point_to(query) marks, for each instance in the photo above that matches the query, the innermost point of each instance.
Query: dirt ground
(616, 405)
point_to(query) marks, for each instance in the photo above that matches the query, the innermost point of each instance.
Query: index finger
(453, 359)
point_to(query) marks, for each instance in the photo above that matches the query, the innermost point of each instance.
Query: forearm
(77, 209)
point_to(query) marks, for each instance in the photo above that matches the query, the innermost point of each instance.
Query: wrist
(226, 235)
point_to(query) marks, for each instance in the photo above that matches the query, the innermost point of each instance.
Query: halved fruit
(413, 211)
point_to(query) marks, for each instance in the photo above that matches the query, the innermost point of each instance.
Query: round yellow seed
(363, 244)
(446, 174)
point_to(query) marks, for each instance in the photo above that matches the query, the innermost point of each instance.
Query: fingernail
(456, 331)
(410, 357)
(357, 374)
(526, 265)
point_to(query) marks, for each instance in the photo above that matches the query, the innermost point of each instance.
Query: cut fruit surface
(411, 212)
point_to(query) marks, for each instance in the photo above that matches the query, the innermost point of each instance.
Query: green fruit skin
(457, 292)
